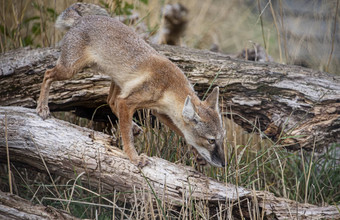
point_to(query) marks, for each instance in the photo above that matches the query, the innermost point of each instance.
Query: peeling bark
(303, 103)
(68, 149)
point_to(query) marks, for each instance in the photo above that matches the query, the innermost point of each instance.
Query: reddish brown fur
(141, 78)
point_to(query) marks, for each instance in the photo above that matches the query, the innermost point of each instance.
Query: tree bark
(14, 207)
(68, 150)
(277, 99)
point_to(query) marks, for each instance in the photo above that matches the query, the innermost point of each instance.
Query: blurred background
(303, 32)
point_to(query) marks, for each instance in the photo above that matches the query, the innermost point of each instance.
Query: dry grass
(298, 176)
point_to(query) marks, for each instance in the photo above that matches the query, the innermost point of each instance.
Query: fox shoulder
(68, 17)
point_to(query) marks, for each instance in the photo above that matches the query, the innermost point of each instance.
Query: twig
(78, 202)
(260, 11)
(72, 191)
(277, 30)
(8, 161)
(284, 31)
(333, 38)
(309, 170)
(206, 93)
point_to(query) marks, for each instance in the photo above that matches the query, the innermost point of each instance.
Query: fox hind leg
(111, 100)
(59, 72)
(65, 69)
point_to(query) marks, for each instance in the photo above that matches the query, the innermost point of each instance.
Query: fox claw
(142, 161)
(201, 161)
(136, 130)
(43, 112)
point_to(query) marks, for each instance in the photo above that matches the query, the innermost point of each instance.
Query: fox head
(204, 129)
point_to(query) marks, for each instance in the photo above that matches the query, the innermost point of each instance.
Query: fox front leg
(125, 114)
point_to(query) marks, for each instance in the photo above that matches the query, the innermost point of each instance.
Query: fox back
(106, 42)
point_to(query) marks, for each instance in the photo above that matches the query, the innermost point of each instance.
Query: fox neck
(176, 89)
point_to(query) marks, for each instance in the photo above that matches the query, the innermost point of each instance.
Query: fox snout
(213, 153)
(204, 130)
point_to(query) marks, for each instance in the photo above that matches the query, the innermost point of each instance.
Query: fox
(141, 78)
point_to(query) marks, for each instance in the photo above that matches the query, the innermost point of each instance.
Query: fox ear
(212, 99)
(188, 112)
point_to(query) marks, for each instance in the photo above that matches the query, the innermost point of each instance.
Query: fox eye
(211, 141)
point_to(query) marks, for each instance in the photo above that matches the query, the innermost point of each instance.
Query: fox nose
(223, 164)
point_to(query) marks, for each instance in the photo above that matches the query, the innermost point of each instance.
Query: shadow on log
(278, 99)
(68, 149)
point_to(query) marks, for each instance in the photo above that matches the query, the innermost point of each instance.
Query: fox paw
(136, 130)
(43, 112)
(201, 161)
(198, 158)
(142, 161)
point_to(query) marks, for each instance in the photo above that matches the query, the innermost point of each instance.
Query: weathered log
(303, 103)
(69, 150)
(14, 207)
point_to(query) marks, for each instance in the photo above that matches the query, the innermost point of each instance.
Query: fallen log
(280, 100)
(14, 207)
(68, 150)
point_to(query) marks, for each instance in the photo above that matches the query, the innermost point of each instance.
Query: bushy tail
(68, 17)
